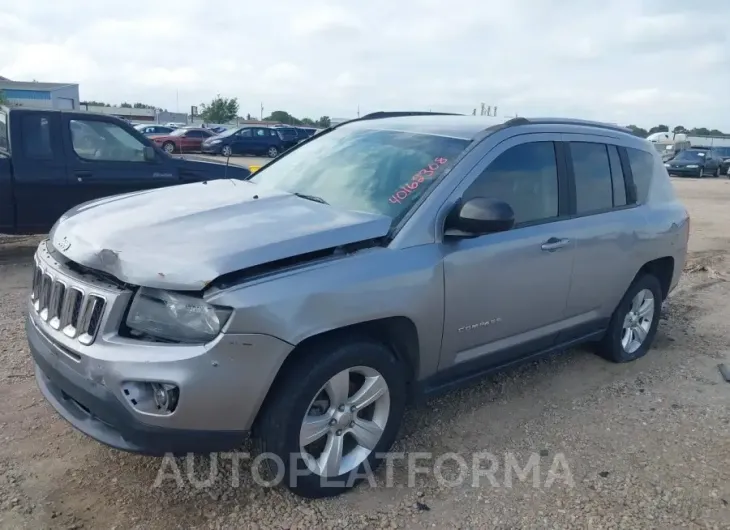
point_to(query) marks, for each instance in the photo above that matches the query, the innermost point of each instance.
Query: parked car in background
(149, 130)
(51, 161)
(724, 153)
(290, 136)
(307, 131)
(175, 125)
(695, 162)
(252, 140)
(183, 140)
(389, 259)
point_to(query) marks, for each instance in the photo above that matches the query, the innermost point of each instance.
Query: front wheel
(226, 151)
(634, 323)
(332, 415)
(272, 152)
(717, 172)
(169, 147)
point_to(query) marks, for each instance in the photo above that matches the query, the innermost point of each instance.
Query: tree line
(224, 110)
(695, 131)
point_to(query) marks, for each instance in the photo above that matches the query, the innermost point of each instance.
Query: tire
(168, 147)
(616, 345)
(272, 152)
(717, 173)
(307, 386)
(702, 173)
(226, 150)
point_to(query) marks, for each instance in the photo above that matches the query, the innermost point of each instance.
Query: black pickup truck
(53, 160)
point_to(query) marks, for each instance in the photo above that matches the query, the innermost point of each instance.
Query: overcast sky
(627, 61)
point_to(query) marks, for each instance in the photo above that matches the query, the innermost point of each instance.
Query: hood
(183, 237)
(682, 163)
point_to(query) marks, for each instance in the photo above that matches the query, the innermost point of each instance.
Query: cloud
(642, 61)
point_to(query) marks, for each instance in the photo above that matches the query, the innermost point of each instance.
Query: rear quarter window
(642, 169)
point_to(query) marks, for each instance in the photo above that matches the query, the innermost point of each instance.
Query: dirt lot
(647, 444)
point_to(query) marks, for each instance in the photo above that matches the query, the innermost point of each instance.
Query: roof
(32, 85)
(461, 126)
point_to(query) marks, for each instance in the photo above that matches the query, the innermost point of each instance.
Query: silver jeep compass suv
(390, 257)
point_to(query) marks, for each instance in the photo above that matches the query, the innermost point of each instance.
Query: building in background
(41, 95)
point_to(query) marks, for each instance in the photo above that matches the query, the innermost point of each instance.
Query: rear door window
(617, 177)
(593, 185)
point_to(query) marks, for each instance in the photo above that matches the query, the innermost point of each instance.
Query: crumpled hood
(183, 237)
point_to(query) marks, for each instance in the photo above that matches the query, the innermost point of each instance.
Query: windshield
(368, 170)
(691, 156)
(227, 133)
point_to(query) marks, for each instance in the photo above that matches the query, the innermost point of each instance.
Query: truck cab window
(36, 136)
(104, 141)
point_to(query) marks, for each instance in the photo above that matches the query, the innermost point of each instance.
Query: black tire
(717, 172)
(226, 151)
(278, 429)
(168, 147)
(610, 347)
(272, 152)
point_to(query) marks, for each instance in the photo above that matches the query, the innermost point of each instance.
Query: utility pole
(261, 118)
(358, 110)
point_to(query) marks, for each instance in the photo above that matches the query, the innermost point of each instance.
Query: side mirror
(148, 153)
(479, 216)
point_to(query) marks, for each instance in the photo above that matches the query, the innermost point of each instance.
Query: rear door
(193, 139)
(606, 228)
(41, 188)
(106, 159)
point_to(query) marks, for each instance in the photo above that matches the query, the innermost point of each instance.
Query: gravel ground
(642, 445)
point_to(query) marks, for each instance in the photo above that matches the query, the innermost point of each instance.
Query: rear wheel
(272, 152)
(634, 323)
(333, 414)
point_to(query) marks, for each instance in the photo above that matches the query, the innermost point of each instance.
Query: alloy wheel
(345, 421)
(637, 321)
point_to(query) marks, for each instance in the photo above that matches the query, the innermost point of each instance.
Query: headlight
(666, 165)
(214, 142)
(692, 166)
(176, 317)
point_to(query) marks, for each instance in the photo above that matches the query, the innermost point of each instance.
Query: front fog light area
(150, 397)
(174, 317)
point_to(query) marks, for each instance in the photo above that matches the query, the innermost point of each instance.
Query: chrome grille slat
(66, 307)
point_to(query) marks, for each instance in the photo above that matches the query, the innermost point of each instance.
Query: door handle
(81, 175)
(554, 243)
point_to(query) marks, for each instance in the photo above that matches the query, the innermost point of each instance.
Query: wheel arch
(398, 333)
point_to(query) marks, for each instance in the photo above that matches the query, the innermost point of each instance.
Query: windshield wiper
(311, 198)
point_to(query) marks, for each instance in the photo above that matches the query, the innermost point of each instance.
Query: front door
(506, 293)
(105, 159)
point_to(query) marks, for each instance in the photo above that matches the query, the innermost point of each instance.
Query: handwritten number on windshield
(417, 179)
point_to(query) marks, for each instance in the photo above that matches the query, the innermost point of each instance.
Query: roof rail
(573, 121)
(393, 114)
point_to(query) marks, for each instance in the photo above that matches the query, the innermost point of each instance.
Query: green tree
(281, 116)
(679, 129)
(658, 128)
(309, 122)
(324, 121)
(125, 105)
(92, 103)
(220, 110)
(700, 131)
(638, 131)
(717, 132)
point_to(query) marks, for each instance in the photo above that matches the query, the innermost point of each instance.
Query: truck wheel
(331, 416)
(634, 323)
(272, 152)
(169, 147)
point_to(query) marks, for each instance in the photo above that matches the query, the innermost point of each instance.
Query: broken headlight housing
(175, 317)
